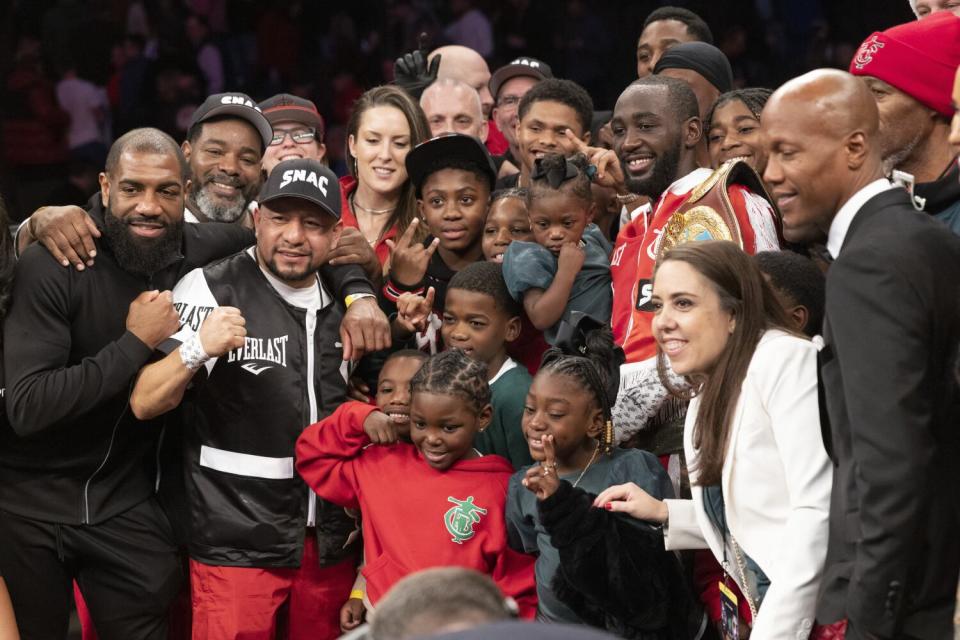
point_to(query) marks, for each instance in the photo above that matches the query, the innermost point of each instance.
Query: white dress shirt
(843, 219)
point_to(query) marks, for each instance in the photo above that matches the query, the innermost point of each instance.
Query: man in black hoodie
(77, 471)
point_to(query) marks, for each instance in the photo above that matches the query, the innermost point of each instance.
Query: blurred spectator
(471, 28)
(208, 56)
(34, 126)
(89, 112)
(80, 185)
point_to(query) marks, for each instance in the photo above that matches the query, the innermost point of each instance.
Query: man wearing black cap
(78, 472)
(258, 348)
(297, 130)
(508, 85)
(225, 144)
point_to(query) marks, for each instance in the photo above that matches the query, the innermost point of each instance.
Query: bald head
(467, 66)
(454, 107)
(836, 101)
(820, 130)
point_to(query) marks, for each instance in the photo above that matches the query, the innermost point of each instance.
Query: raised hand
(412, 73)
(630, 499)
(408, 258)
(414, 311)
(571, 258)
(222, 331)
(542, 479)
(152, 318)
(353, 248)
(380, 428)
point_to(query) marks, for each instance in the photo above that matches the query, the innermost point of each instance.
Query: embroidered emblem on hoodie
(461, 518)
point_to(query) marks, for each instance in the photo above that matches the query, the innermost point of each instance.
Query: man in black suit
(891, 406)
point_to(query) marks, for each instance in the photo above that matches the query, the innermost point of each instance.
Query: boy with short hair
(547, 112)
(482, 319)
(799, 285)
(453, 176)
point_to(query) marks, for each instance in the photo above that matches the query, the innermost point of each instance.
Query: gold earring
(608, 437)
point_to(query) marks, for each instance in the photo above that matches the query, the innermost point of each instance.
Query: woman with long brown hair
(378, 198)
(760, 477)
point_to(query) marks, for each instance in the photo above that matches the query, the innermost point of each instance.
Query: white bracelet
(192, 353)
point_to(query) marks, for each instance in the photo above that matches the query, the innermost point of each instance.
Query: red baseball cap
(919, 58)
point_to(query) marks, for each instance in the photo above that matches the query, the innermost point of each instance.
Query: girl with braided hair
(594, 567)
(435, 502)
(733, 128)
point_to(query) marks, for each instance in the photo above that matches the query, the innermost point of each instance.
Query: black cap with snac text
(428, 157)
(234, 104)
(306, 179)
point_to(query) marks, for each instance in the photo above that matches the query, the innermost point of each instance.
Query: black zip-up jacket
(72, 451)
(244, 412)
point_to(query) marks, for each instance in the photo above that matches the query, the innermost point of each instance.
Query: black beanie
(701, 57)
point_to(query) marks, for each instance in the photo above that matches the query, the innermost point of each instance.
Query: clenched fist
(222, 331)
(571, 258)
(152, 317)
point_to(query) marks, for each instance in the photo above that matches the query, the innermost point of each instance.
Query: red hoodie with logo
(414, 516)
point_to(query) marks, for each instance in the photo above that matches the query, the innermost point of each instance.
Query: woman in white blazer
(760, 477)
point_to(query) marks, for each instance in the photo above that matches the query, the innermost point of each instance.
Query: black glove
(412, 74)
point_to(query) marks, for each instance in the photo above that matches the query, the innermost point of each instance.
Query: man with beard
(256, 347)
(909, 69)
(77, 471)
(226, 140)
(224, 147)
(890, 402)
(656, 131)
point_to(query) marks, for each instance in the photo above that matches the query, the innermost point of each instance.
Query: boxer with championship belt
(657, 129)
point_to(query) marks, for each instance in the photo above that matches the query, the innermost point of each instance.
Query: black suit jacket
(890, 390)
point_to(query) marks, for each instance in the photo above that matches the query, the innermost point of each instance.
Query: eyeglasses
(300, 136)
(508, 101)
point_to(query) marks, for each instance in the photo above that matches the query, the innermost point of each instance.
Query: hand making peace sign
(408, 258)
(542, 479)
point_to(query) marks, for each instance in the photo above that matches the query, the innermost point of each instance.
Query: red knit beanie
(919, 58)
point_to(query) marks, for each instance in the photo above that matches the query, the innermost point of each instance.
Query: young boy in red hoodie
(436, 502)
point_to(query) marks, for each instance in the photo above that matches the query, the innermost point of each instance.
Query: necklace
(375, 212)
(592, 458)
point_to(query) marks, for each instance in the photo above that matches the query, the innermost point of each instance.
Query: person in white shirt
(759, 474)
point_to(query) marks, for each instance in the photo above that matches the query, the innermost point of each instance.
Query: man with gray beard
(225, 143)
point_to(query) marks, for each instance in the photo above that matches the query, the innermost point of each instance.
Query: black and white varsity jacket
(243, 412)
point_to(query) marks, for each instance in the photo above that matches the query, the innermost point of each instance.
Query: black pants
(126, 567)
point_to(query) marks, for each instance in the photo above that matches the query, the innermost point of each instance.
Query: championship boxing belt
(708, 214)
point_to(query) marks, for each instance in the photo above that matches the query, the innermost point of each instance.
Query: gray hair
(435, 600)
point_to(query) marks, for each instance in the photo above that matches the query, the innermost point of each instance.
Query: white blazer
(776, 484)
